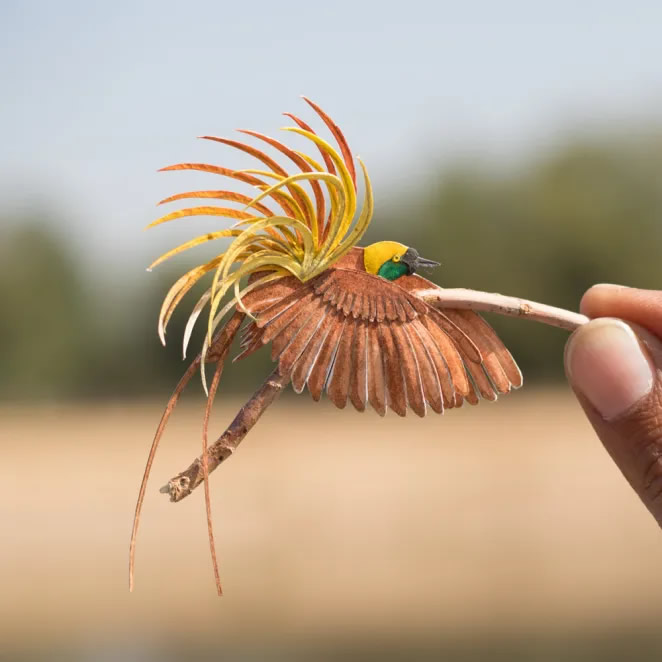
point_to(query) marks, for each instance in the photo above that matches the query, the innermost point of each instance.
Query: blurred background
(520, 146)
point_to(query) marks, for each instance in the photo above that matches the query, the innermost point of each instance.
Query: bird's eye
(396, 258)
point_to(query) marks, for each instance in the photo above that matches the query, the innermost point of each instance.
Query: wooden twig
(504, 305)
(185, 482)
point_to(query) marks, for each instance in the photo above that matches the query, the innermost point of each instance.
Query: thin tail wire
(205, 471)
(172, 402)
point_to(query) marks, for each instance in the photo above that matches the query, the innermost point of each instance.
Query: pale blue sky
(97, 96)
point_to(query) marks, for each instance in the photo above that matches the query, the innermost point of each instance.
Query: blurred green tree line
(589, 211)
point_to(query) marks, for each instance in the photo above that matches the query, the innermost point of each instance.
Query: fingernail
(610, 286)
(606, 363)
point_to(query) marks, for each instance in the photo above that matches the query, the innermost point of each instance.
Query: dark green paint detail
(392, 270)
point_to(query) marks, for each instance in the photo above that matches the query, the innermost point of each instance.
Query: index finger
(643, 307)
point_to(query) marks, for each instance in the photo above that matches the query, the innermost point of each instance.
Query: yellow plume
(300, 240)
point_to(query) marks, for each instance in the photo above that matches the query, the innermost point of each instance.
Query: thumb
(615, 370)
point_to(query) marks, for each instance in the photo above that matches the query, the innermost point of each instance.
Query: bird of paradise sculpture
(358, 323)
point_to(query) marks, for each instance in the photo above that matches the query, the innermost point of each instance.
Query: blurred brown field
(507, 518)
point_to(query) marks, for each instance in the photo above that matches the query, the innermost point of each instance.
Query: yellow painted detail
(376, 254)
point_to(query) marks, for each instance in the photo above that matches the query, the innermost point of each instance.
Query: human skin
(614, 365)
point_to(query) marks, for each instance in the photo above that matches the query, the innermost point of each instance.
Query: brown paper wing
(367, 340)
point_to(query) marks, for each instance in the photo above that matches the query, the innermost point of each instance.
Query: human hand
(615, 369)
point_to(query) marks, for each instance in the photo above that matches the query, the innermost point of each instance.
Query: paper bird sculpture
(357, 323)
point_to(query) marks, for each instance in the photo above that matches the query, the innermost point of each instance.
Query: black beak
(415, 262)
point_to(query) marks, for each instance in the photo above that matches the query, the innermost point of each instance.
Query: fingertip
(643, 307)
(597, 297)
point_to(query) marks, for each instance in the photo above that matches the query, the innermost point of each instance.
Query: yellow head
(390, 260)
(375, 255)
